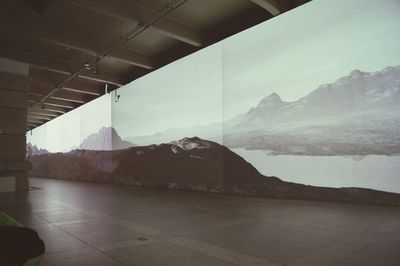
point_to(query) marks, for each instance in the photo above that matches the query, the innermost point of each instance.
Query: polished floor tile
(153, 253)
(101, 224)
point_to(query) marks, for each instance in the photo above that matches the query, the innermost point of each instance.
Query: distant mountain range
(35, 150)
(357, 114)
(212, 131)
(190, 164)
(359, 92)
(105, 139)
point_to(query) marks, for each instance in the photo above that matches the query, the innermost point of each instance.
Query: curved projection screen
(310, 97)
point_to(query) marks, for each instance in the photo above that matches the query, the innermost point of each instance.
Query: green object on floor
(7, 220)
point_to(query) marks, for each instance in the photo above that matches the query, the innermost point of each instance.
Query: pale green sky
(185, 93)
(302, 49)
(68, 131)
(291, 54)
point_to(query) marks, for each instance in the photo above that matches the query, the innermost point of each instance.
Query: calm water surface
(374, 171)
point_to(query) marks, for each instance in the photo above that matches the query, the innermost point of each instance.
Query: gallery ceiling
(75, 47)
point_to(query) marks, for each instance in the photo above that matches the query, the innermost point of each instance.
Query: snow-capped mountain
(359, 92)
(191, 143)
(200, 165)
(212, 131)
(356, 115)
(35, 149)
(106, 139)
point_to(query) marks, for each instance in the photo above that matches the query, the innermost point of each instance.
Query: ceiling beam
(60, 99)
(35, 120)
(57, 65)
(66, 96)
(34, 98)
(32, 125)
(42, 112)
(271, 6)
(91, 91)
(132, 12)
(39, 116)
(50, 80)
(61, 35)
(60, 95)
(47, 109)
(83, 91)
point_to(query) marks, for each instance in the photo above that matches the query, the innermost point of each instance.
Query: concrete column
(14, 83)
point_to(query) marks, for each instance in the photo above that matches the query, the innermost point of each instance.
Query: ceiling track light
(141, 27)
(96, 67)
(116, 96)
(106, 91)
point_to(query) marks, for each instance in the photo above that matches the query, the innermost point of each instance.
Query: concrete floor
(99, 224)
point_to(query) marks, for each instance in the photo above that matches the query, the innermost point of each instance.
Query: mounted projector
(106, 91)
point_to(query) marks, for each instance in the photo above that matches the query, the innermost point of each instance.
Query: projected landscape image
(356, 115)
(301, 116)
(350, 127)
